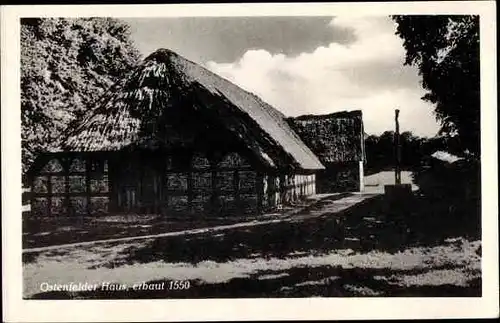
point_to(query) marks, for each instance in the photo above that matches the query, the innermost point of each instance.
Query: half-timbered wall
(289, 188)
(212, 187)
(171, 184)
(71, 185)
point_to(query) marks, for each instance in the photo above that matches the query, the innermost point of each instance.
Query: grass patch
(372, 249)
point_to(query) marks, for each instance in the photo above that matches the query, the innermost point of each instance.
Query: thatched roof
(335, 137)
(166, 85)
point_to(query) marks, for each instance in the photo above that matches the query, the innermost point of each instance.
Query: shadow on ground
(372, 225)
(375, 225)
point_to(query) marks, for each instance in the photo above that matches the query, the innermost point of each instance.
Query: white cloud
(367, 74)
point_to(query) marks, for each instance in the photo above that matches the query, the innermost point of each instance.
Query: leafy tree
(380, 150)
(446, 51)
(66, 65)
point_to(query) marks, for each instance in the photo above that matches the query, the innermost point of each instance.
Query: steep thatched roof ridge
(335, 138)
(158, 83)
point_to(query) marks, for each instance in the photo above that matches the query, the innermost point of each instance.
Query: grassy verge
(373, 249)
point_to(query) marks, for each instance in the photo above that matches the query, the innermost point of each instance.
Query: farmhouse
(174, 138)
(338, 140)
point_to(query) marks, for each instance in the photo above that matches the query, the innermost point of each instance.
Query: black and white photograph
(256, 156)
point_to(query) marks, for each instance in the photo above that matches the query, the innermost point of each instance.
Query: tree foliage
(446, 51)
(415, 150)
(66, 65)
(381, 153)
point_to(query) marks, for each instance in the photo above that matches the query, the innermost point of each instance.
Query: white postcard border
(16, 309)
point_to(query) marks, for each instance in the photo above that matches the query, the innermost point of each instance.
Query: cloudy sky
(303, 65)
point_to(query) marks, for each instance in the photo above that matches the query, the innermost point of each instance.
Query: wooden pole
(398, 150)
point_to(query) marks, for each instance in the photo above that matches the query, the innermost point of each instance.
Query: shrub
(456, 185)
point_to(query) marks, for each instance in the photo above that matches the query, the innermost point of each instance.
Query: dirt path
(332, 206)
(375, 183)
(370, 253)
